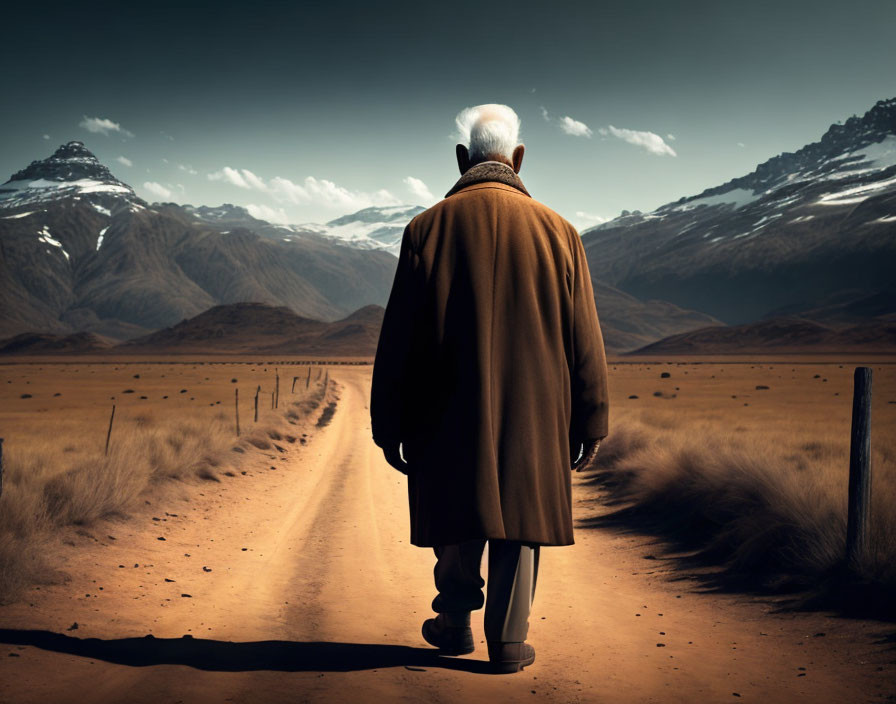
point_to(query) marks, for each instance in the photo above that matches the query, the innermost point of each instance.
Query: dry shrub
(260, 441)
(69, 480)
(327, 415)
(24, 530)
(768, 508)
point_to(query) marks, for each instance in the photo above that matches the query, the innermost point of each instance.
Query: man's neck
(492, 160)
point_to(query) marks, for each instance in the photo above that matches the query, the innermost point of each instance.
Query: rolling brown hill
(779, 335)
(258, 327)
(48, 343)
(628, 322)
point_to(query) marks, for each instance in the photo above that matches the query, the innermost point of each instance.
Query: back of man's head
(488, 131)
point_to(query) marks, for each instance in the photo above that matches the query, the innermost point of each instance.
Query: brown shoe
(510, 657)
(450, 639)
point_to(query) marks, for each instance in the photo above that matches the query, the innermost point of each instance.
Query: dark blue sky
(309, 110)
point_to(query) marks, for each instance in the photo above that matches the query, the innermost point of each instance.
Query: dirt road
(296, 582)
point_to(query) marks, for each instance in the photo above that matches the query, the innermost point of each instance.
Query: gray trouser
(512, 572)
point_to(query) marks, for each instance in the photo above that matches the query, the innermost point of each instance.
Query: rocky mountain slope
(805, 232)
(79, 251)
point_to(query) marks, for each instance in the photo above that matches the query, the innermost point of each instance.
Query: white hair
(488, 130)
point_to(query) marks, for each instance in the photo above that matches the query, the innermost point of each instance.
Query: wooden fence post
(277, 388)
(859, 517)
(308, 380)
(293, 389)
(1, 466)
(109, 432)
(272, 400)
(257, 391)
(236, 405)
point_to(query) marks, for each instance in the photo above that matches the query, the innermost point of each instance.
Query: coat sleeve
(390, 366)
(590, 407)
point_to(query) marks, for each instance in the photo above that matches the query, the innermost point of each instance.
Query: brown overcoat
(490, 365)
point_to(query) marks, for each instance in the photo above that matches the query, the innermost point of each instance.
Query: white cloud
(324, 192)
(46, 136)
(188, 169)
(319, 191)
(265, 212)
(544, 113)
(741, 144)
(102, 125)
(157, 189)
(253, 181)
(164, 160)
(287, 190)
(574, 127)
(650, 141)
(124, 160)
(419, 189)
(591, 218)
(329, 192)
(670, 137)
(242, 178)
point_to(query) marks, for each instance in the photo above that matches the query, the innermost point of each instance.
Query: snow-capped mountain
(79, 251)
(370, 228)
(71, 172)
(804, 230)
(378, 228)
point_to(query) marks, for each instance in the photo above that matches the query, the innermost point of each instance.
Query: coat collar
(488, 171)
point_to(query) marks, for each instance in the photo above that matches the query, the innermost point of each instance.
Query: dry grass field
(174, 422)
(745, 466)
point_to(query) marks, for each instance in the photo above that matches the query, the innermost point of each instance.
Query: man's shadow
(226, 656)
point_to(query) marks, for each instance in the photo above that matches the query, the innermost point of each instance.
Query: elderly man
(489, 386)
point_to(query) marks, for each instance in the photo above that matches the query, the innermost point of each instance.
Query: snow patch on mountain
(739, 197)
(857, 194)
(44, 236)
(84, 185)
(370, 228)
(19, 215)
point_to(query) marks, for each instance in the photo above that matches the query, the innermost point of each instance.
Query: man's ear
(517, 157)
(463, 159)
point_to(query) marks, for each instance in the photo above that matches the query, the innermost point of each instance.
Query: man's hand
(392, 452)
(589, 453)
